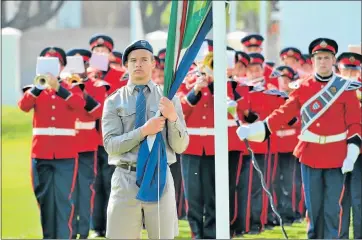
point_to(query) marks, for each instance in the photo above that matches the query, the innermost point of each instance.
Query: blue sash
(322, 100)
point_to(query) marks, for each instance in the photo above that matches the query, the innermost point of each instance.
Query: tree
(152, 12)
(247, 14)
(23, 19)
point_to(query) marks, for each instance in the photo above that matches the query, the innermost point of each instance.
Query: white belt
(308, 136)
(85, 125)
(285, 133)
(201, 131)
(52, 131)
(208, 131)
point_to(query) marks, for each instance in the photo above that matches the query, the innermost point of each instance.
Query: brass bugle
(41, 81)
(74, 79)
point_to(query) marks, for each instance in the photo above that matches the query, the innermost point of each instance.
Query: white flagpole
(221, 126)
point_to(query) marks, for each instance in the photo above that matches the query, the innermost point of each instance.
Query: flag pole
(221, 126)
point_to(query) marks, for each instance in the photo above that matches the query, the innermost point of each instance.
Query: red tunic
(199, 117)
(343, 115)
(53, 120)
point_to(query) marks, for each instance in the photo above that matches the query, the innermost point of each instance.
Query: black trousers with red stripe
(251, 194)
(324, 196)
(103, 191)
(286, 186)
(235, 165)
(54, 183)
(299, 192)
(179, 188)
(87, 171)
(198, 174)
(353, 195)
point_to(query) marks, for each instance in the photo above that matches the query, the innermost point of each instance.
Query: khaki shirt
(122, 140)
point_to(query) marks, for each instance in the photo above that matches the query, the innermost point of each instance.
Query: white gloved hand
(352, 155)
(243, 132)
(254, 132)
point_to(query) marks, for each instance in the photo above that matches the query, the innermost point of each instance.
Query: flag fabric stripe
(182, 29)
(196, 19)
(190, 21)
(191, 53)
(178, 33)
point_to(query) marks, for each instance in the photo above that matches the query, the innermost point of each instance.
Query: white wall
(304, 21)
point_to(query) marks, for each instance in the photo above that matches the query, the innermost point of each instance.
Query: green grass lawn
(20, 214)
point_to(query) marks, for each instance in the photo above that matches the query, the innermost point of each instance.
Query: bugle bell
(41, 81)
(74, 79)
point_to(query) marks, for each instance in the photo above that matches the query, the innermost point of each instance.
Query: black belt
(127, 167)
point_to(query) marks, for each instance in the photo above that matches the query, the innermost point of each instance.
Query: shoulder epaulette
(257, 89)
(272, 92)
(27, 87)
(353, 85)
(80, 85)
(284, 95)
(101, 83)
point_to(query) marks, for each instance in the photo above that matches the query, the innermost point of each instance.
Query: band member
(102, 44)
(116, 64)
(288, 185)
(252, 43)
(256, 103)
(198, 161)
(330, 138)
(237, 150)
(87, 140)
(291, 57)
(54, 152)
(350, 68)
(307, 66)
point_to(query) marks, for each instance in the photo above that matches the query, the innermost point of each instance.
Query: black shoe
(299, 220)
(83, 237)
(269, 227)
(254, 230)
(239, 234)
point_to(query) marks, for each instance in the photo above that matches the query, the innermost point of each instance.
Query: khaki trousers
(124, 213)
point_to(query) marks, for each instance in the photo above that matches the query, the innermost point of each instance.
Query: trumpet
(74, 78)
(41, 81)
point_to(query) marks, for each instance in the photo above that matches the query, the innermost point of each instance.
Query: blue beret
(140, 44)
(99, 40)
(54, 52)
(86, 54)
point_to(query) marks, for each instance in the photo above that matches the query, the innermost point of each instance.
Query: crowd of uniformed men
(72, 179)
